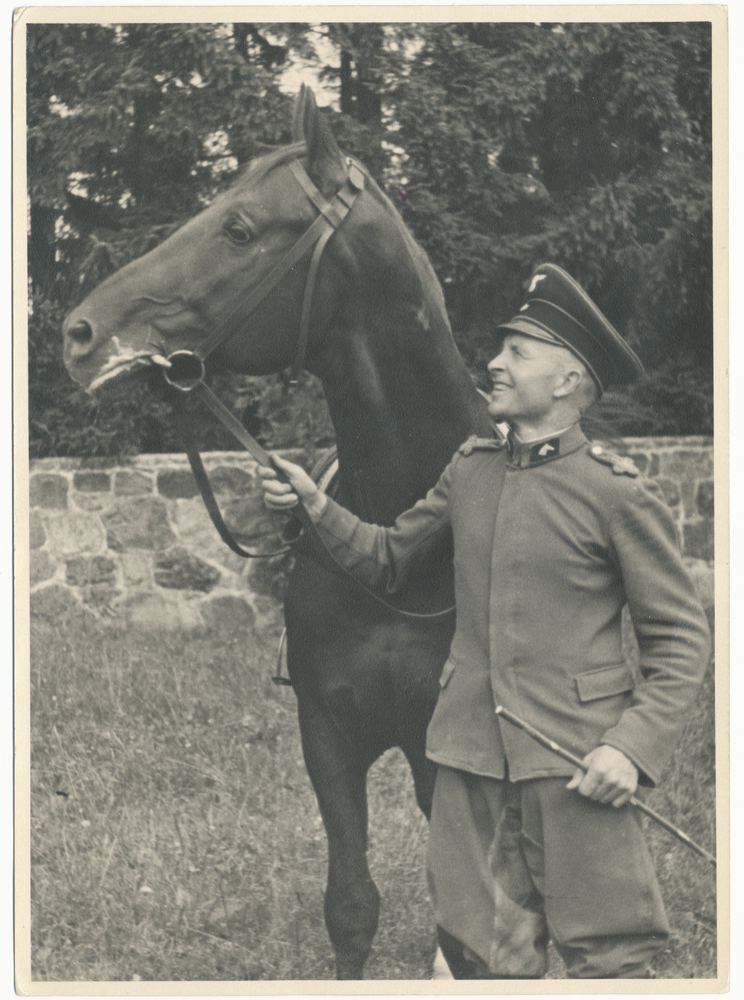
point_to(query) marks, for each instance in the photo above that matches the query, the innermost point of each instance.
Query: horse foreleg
(352, 901)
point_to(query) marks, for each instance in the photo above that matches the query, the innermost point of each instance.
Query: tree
(588, 145)
(131, 130)
(508, 144)
(503, 144)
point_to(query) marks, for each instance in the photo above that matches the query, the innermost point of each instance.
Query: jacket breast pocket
(604, 682)
(449, 669)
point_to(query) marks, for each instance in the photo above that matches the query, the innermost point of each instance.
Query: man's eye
(237, 232)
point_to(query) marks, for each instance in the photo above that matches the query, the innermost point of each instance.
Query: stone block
(92, 482)
(73, 533)
(94, 501)
(177, 484)
(226, 614)
(178, 569)
(705, 498)
(101, 596)
(670, 489)
(687, 463)
(88, 570)
(53, 602)
(48, 490)
(37, 535)
(688, 490)
(41, 566)
(698, 540)
(137, 567)
(132, 483)
(232, 480)
(141, 523)
(192, 524)
(155, 611)
(253, 526)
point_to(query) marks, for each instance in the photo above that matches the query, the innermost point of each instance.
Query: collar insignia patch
(548, 449)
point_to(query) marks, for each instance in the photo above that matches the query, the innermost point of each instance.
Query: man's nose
(495, 365)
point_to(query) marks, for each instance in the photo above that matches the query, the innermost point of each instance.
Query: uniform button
(596, 449)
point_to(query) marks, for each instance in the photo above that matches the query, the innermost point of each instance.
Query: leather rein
(184, 369)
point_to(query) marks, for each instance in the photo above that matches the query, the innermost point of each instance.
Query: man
(552, 537)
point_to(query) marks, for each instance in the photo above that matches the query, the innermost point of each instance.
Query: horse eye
(237, 232)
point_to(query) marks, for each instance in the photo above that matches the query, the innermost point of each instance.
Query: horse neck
(401, 401)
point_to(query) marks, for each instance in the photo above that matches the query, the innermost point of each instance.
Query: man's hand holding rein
(281, 495)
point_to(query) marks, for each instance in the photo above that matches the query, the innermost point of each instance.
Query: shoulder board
(475, 443)
(620, 465)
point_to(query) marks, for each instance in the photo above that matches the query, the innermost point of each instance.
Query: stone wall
(134, 542)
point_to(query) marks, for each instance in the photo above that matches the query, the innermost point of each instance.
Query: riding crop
(577, 762)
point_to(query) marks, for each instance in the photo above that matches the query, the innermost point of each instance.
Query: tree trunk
(41, 249)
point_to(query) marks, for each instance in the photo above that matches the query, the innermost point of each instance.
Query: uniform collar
(526, 454)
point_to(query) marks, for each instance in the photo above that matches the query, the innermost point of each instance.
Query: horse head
(226, 283)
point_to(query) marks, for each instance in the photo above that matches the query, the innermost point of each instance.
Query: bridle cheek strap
(331, 215)
(185, 369)
(307, 304)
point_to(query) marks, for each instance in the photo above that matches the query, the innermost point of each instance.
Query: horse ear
(325, 164)
(298, 115)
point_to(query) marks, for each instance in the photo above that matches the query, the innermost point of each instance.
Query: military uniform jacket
(541, 578)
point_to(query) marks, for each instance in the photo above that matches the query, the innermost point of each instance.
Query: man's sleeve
(379, 557)
(670, 626)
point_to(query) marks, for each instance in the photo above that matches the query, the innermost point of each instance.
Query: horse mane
(264, 163)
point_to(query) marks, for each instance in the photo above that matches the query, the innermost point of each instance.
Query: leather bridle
(184, 369)
(330, 216)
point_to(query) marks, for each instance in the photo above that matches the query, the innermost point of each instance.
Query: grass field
(175, 835)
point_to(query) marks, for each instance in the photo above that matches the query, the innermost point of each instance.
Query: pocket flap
(605, 682)
(449, 669)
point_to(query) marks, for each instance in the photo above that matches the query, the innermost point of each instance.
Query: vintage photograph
(371, 417)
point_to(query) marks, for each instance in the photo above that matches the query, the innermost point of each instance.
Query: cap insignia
(535, 280)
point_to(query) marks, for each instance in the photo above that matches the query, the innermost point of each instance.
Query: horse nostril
(81, 332)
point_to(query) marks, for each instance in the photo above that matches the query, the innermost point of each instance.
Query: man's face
(525, 374)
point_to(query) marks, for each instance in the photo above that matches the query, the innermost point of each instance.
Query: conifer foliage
(504, 145)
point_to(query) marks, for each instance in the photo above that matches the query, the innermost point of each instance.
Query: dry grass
(175, 835)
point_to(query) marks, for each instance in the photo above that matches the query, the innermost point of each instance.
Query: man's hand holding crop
(609, 778)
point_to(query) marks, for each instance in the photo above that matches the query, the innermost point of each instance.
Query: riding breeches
(513, 865)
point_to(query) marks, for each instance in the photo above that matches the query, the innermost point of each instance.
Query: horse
(375, 331)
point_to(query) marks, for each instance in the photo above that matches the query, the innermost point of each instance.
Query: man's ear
(570, 380)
